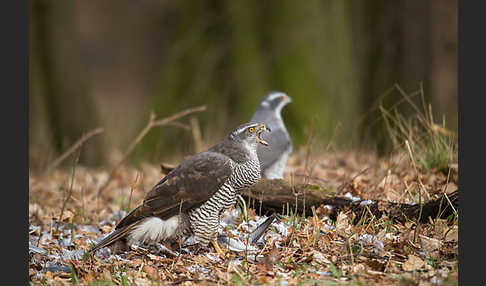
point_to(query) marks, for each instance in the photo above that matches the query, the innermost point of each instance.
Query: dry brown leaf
(270, 259)
(449, 188)
(106, 228)
(319, 258)
(453, 234)
(429, 244)
(413, 263)
(67, 216)
(151, 271)
(343, 226)
(358, 268)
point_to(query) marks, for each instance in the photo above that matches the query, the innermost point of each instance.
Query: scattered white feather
(329, 207)
(350, 196)
(236, 244)
(72, 254)
(213, 258)
(282, 228)
(197, 269)
(372, 240)
(365, 202)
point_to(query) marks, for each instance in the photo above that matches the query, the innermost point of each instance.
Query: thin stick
(74, 147)
(152, 123)
(68, 196)
(131, 192)
(83, 211)
(350, 250)
(420, 191)
(352, 179)
(450, 203)
(196, 134)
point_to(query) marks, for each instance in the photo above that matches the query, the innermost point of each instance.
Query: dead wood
(268, 196)
(277, 195)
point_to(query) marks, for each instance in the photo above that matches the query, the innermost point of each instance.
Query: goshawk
(273, 158)
(190, 198)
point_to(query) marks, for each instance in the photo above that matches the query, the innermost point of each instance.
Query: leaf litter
(292, 250)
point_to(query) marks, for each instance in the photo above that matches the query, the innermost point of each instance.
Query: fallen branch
(274, 194)
(152, 123)
(73, 148)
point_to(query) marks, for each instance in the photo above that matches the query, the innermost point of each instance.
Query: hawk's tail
(112, 237)
(122, 229)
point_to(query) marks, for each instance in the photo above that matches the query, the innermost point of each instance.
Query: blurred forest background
(110, 63)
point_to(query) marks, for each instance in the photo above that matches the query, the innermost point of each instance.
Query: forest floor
(66, 218)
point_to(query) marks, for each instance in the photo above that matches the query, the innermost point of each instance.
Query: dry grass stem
(73, 148)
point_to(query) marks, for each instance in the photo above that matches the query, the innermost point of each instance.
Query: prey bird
(273, 159)
(191, 197)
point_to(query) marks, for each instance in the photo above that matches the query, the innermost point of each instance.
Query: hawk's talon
(218, 249)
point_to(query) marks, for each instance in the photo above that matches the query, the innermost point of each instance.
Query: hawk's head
(249, 134)
(274, 101)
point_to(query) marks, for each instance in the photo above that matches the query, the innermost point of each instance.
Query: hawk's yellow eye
(251, 129)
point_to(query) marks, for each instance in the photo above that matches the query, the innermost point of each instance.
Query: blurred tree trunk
(40, 134)
(58, 89)
(443, 61)
(405, 42)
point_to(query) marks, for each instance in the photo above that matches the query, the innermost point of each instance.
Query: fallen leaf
(107, 228)
(270, 259)
(151, 271)
(358, 268)
(429, 244)
(343, 226)
(452, 235)
(413, 263)
(319, 258)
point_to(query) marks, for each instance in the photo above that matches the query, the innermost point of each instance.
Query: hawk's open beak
(261, 129)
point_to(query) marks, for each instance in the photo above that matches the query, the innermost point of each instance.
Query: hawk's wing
(188, 186)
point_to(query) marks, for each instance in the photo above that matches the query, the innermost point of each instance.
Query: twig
(420, 190)
(352, 179)
(131, 192)
(350, 250)
(73, 148)
(152, 123)
(180, 125)
(177, 282)
(450, 203)
(309, 146)
(333, 135)
(196, 134)
(310, 177)
(82, 205)
(68, 196)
